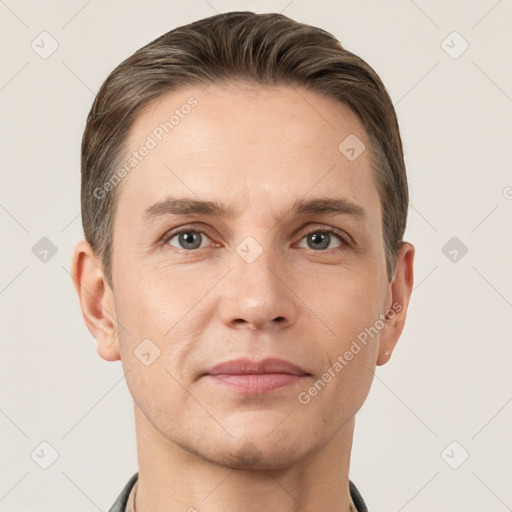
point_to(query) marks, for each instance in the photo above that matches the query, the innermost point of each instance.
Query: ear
(96, 300)
(400, 290)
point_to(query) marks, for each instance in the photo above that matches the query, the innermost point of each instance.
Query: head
(244, 194)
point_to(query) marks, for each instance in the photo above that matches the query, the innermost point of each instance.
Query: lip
(270, 365)
(256, 377)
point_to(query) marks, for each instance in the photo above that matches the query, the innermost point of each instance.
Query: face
(290, 265)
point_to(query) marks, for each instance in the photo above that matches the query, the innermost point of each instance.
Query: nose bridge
(257, 293)
(258, 263)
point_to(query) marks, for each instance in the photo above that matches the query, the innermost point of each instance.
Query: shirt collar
(126, 500)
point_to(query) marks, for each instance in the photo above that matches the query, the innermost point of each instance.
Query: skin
(257, 150)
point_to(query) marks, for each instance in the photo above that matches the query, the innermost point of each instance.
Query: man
(244, 199)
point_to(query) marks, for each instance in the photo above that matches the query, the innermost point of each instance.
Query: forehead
(245, 144)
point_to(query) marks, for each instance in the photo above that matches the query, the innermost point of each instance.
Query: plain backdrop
(434, 433)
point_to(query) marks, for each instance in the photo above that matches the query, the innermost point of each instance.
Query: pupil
(189, 238)
(320, 238)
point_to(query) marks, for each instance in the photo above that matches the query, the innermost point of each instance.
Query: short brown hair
(265, 49)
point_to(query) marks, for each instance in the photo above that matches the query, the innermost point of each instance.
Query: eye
(188, 239)
(321, 239)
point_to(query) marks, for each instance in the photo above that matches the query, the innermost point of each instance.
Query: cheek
(342, 384)
(160, 315)
(348, 303)
(155, 339)
(350, 307)
(150, 302)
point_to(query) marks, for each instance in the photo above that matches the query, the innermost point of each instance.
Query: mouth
(256, 377)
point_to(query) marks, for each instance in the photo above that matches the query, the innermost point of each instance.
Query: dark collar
(122, 499)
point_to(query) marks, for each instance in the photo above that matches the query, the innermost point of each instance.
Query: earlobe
(96, 300)
(384, 357)
(400, 292)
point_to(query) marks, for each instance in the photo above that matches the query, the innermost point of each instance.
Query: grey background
(449, 378)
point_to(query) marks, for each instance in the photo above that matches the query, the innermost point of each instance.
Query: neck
(172, 478)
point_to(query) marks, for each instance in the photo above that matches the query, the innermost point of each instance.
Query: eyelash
(345, 240)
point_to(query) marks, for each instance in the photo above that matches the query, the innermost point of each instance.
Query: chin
(252, 456)
(259, 450)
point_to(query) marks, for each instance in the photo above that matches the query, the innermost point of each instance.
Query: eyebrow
(186, 206)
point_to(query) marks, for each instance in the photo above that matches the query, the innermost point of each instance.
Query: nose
(260, 293)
